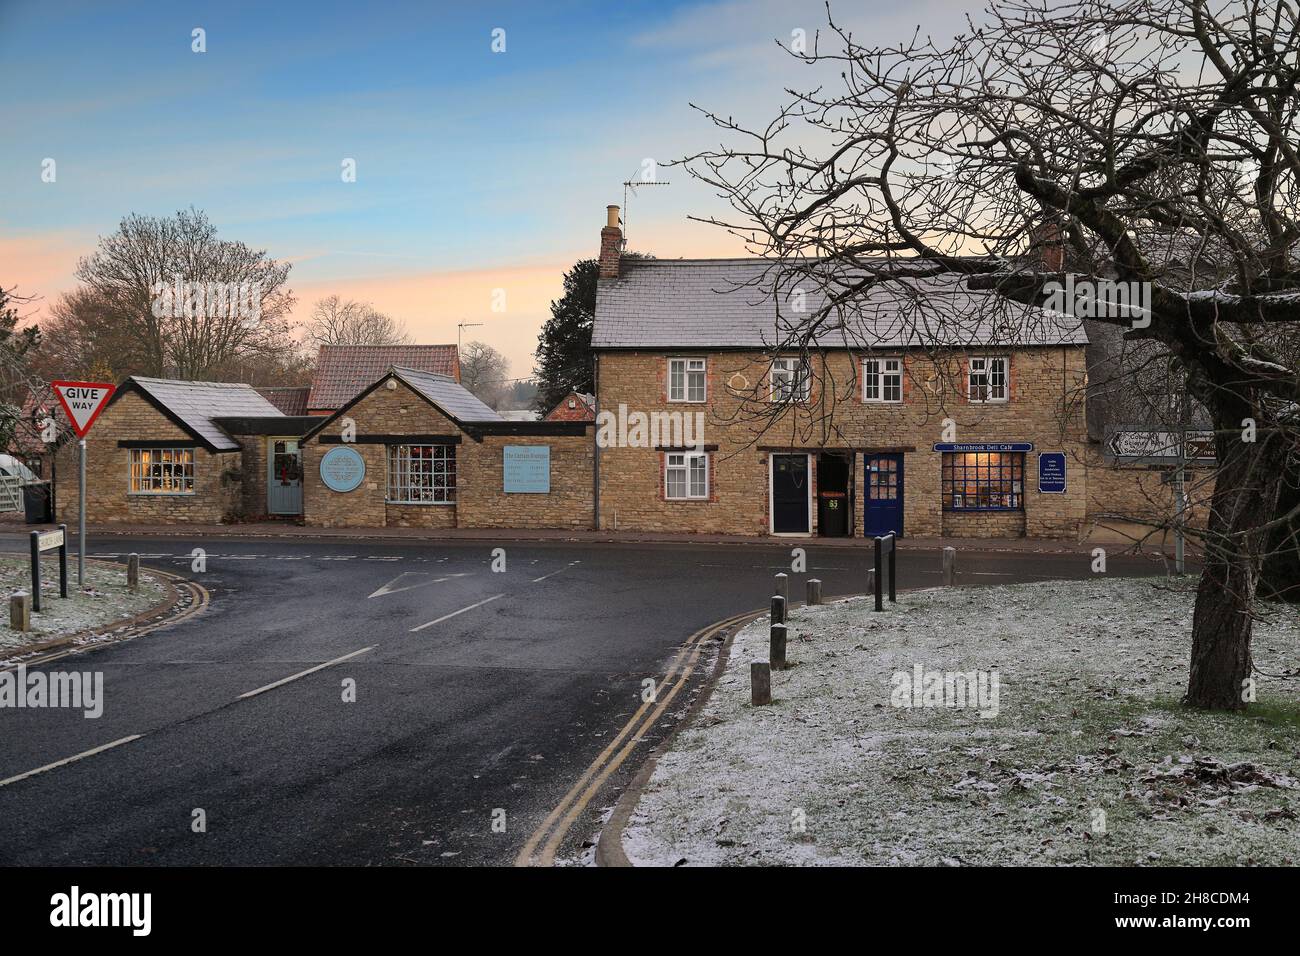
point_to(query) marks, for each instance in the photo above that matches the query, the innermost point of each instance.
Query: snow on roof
(196, 404)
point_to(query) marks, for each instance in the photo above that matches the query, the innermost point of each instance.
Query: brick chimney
(1047, 247)
(611, 244)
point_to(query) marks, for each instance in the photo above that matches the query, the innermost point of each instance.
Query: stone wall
(480, 501)
(1045, 407)
(132, 418)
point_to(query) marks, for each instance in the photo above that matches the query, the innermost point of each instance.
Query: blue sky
(475, 170)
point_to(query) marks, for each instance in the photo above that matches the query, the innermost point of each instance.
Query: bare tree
(338, 321)
(1152, 142)
(186, 300)
(485, 372)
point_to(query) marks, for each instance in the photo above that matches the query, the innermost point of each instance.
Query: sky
(476, 169)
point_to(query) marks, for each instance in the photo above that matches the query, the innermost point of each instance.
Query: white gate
(11, 493)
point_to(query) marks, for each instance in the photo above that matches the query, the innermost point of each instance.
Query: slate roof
(196, 404)
(290, 399)
(449, 395)
(344, 371)
(729, 303)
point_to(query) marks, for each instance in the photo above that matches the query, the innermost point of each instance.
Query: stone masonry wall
(480, 502)
(107, 472)
(1045, 407)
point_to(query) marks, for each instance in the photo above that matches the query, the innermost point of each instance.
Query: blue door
(883, 506)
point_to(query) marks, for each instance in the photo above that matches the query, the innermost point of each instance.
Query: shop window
(686, 475)
(686, 381)
(882, 380)
(987, 380)
(162, 471)
(421, 474)
(791, 380)
(983, 481)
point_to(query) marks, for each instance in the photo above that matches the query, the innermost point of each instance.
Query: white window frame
(886, 368)
(690, 367)
(793, 371)
(409, 486)
(684, 466)
(983, 395)
(139, 471)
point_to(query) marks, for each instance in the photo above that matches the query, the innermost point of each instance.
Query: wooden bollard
(783, 585)
(949, 566)
(776, 647)
(20, 611)
(760, 684)
(778, 609)
(133, 572)
(814, 591)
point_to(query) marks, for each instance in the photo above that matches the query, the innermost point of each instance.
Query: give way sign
(83, 401)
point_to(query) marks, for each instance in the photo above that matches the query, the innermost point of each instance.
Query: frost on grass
(1091, 674)
(102, 601)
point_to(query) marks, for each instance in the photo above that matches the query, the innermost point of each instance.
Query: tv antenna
(632, 184)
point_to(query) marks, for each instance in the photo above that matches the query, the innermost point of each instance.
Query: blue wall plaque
(1051, 472)
(342, 469)
(526, 469)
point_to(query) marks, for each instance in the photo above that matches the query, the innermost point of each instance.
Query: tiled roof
(290, 399)
(344, 371)
(729, 303)
(452, 397)
(196, 404)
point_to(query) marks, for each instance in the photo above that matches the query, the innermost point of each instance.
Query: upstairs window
(686, 380)
(790, 380)
(882, 380)
(987, 380)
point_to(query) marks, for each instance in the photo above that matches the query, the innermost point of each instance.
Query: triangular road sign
(82, 401)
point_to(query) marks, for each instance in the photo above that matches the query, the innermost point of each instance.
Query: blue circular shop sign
(342, 469)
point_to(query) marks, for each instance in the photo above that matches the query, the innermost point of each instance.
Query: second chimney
(611, 244)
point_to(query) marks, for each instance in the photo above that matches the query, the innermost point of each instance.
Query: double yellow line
(560, 821)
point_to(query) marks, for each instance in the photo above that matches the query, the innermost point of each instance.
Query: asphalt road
(490, 712)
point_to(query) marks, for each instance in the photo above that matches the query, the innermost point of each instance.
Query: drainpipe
(595, 447)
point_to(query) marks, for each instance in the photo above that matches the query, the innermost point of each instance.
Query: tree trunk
(1245, 496)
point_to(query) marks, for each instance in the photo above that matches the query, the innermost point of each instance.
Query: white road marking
(67, 760)
(389, 589)
(454, 613)
(310, 670)
(382, 557)
(553, 573)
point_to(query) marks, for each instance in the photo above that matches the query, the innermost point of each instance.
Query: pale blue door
(284, 477)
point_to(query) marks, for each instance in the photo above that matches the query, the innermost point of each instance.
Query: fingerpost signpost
(82, 401)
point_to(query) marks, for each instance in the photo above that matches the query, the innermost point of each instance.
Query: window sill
(160, 494)
(687, 401)
(975, 511)
(428, 504)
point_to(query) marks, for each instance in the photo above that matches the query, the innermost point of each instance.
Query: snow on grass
(104, 599)
(1090, 677)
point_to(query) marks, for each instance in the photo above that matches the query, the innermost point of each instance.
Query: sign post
(82, 401)
(44, 541)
